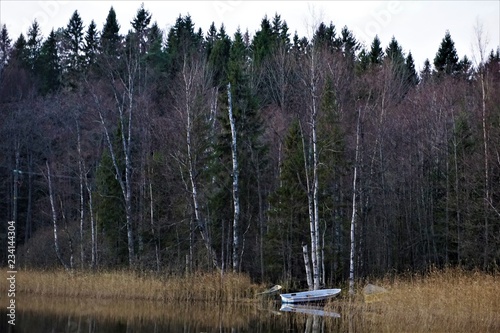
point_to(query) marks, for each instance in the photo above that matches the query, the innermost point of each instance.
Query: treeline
(196, 150)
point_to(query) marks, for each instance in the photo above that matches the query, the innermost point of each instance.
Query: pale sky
(419, 26)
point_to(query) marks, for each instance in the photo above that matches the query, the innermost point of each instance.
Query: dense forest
(290, 159)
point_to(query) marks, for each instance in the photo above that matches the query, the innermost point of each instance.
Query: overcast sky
(419, 26)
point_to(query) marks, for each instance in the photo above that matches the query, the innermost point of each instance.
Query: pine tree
(446, 60)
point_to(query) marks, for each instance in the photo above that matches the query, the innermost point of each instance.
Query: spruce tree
(110, 210)
(395, 53)
(348, 43)
(426, 72)
(5, 47)
(110, 38)
(33, 44)
(288, 222)
(263, 42)
(91, 46)
(181, 41)
(73, 35)
(140, 23)
(446, 60)
(47, 67)
(411, 74)
(219, 57)
(376, 54)
(325, 37)
(73, 56)
(20, 52)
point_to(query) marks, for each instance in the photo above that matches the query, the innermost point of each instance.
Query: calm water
(69, 315)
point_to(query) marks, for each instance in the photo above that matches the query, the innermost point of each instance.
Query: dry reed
(450, 300)
(130, 285)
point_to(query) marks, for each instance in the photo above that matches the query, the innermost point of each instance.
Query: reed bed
(212, 287)
(451, 300)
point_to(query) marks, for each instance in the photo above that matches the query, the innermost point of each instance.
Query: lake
(46, 314)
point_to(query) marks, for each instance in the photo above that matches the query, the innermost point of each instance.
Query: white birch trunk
(54, 217)
(307, 266)
(314, 223)
(151, 214)
(481, 45)
(82, 199)
(310, 206)
(236, 199)
(354, 210)
(93, 262)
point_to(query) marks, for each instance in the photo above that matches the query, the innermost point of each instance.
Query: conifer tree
(5, 47)
(395, 53)
(181, 41)
(91, 46)
(110, 209)
(219, 56)
(412, 76)
(446, 60)
(110, 38)
(376, 54)
(263, 41)
(348, 43)
(426, 72)
(73, 35)
(33, 44)
(47, 67)
(288, 225)
(140, 24)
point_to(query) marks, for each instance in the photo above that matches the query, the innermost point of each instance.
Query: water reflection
(58, 315)
(308, 309)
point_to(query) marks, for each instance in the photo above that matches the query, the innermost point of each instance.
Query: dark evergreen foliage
(446, 60)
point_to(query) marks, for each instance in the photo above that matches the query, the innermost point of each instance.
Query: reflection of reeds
(210, 287)
(195, 314)
(452, 300)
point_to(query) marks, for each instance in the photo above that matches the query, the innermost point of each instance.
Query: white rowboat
(309, 296)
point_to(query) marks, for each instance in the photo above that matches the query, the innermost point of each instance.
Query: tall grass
(451, 300)
(130, 285)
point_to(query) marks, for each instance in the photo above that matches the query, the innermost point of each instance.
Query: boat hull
(309, 296)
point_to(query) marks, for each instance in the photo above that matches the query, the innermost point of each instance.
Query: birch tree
(354, 209)
(54, 216)
(235, 189)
